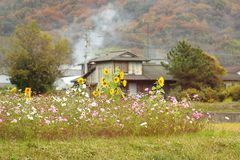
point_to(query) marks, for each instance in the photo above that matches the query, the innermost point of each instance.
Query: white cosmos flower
(227, 118)
(94, 104)
(64, 99)
(144, 123)
(87, 95)
(84, 86)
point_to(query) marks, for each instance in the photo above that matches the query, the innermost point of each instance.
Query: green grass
(222, 142)
(59, 127)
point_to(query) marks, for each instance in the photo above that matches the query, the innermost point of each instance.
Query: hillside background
(146, 27)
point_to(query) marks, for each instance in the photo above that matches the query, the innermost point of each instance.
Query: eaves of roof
(85, 75)
(155, 71)
(231, 77)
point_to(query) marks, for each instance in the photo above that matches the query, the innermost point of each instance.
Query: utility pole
(148, 22)
(87, 43)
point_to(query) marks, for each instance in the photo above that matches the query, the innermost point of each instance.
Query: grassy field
(74, 126)
(218, 143)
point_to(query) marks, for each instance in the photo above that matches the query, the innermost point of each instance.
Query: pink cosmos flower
(47, 122)
(146, 89)
(100, 119)
(92, 124)
(26, 124)
(14, 121)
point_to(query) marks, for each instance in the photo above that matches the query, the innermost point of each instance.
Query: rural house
(5, 81)
(138, 72)
(233, 76)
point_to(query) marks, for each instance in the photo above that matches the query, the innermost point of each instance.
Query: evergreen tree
(34, 58)
(193, 68)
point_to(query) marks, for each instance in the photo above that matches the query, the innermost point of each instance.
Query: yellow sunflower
(124, 83)
(14, 90)
(161, 81)
(116, 79)
(105, 71)
(27, 91)
(111, 91)
(95, 93)
(121, 75)
(117, 92)
(97, 89)
(104, 83)
(81, 81)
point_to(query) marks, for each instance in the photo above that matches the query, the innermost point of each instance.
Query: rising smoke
(105, 24)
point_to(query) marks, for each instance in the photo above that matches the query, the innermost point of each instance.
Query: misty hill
(144, 26)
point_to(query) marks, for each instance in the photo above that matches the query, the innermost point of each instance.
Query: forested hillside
(149, 27)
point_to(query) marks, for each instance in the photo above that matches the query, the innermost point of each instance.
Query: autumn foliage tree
(35, 57)
(193, 68)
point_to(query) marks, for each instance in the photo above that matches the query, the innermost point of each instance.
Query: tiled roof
(154, 71)
(232, 73)
(121, 55)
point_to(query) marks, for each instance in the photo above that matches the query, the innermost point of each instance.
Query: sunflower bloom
(29, 96)
(27, 91)
(105, 71)
(117, 92)
(97, 89)
(116, 79)
(13, 91)
(121, 75)
(104, 83)
(124, 83)
(81, 81)
(95, 93)
(111, 91)
(161, 81)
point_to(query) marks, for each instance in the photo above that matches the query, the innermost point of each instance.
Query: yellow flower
(13, 91)
(104, 83)
(97, 89)
(117, 92)
(105, 71)
(123, 96)
(124, 83)
(111, 91)
(161, 81)
(116, 79)
(29, 96)
(27, 91)
(102, 79)
(95, 93)
(81, 81)
(121, 75)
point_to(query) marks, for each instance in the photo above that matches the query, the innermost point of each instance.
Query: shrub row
(208, 94)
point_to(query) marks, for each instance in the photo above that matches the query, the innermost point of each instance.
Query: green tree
(193, 68)
(35, 57)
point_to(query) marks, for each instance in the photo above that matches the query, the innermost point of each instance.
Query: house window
(123, 66)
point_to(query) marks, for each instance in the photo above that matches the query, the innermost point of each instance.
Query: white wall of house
(5, 81)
